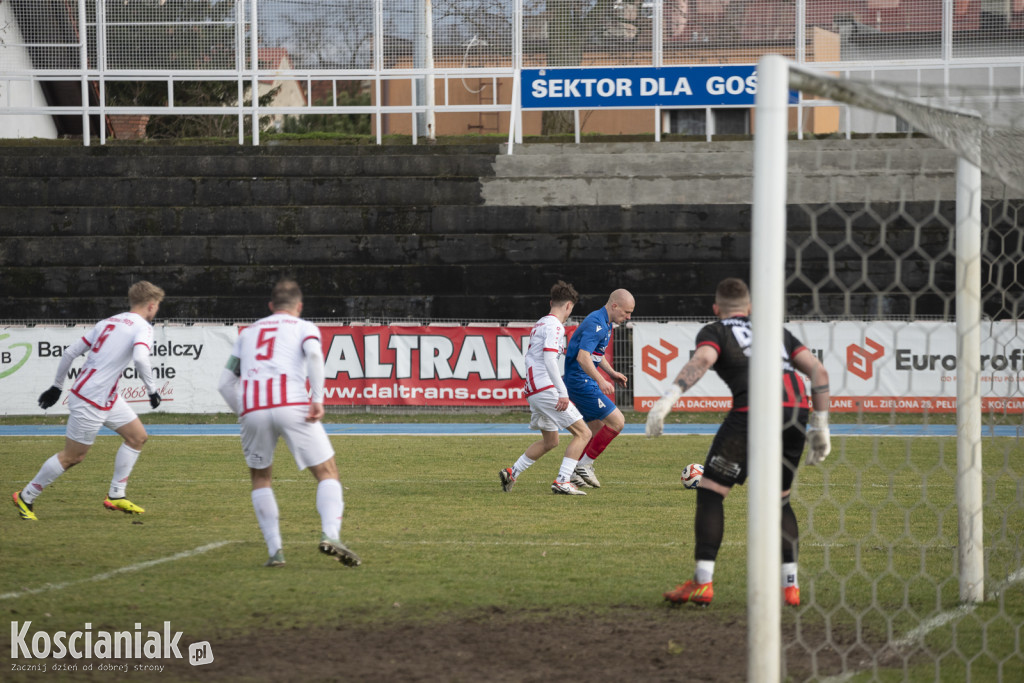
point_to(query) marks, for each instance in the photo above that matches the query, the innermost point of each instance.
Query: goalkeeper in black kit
(725, 346)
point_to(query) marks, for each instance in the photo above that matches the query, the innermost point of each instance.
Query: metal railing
(413, 57)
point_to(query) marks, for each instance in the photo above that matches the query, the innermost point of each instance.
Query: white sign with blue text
(677, 86)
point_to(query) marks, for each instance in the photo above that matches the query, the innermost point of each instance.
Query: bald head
(620, 306)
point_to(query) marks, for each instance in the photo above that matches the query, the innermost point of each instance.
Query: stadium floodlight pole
(764, 443)
(969, 484)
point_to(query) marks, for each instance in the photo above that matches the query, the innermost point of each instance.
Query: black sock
(790, 533)
(709, 524)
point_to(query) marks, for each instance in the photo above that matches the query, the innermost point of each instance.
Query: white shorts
(543, 415)
(86, 419)
(261, 429)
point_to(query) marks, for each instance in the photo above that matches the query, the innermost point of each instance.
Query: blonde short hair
(143, 292)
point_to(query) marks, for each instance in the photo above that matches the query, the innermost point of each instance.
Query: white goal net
(893, 249)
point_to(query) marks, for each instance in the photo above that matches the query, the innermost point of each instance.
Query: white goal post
(977, 147)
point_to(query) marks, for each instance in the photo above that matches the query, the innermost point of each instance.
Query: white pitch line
(935, 622)
(1013, 578)
(121, 570)
(951, 615)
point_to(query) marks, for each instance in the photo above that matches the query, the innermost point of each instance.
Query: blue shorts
(588, 399)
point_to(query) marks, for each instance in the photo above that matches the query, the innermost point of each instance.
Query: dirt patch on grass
(690, 644)
(624, 644)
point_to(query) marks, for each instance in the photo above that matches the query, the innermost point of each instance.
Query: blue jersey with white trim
(592, 335)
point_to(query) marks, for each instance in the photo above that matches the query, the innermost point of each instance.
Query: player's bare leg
(73, 453)
(55, 465)
(566, 483)
(604, 431)
(533, 453)
(267, 516)
(330, 503)
(135, 436)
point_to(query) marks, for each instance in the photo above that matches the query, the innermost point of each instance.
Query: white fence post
(83, 65)
(254, 57)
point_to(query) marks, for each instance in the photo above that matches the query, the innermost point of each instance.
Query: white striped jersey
(111, 345)
(272, 364)
(548, 334)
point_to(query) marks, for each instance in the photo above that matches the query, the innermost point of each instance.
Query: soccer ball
(691, 475)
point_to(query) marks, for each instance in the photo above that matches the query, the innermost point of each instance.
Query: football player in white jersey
(265, 384)
(95, 401)
(550, 408)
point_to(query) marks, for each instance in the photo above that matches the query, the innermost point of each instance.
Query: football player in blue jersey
(588, 389)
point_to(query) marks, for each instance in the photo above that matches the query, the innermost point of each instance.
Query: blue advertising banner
(676, 86)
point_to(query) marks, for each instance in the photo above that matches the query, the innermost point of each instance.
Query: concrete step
(451, 220)
(593, 279)
(896, 169)
(77, 221)
(277, 192)
(689, 164)
(364, 280)
(430, 249)
(803, 188)
(204, 164)
(402, 250)
(716, 147)
(422, 307)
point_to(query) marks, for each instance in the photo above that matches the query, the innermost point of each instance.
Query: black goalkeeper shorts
(726, 462)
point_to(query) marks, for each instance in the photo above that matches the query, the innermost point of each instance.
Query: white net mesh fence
(357, 57)
(871, 287)
(349, 34)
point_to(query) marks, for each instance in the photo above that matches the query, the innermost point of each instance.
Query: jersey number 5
(265, 343)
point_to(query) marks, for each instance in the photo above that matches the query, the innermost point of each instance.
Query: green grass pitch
(439, 539)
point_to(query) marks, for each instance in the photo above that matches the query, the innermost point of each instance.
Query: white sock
(587, 460)
(265, 504)
(47, 474)
(124, 461)
(330, 503)
(789, 574)
(565, 471)
(705, 571)
(521, 464)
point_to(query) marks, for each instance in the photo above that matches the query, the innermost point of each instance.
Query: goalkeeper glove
(661, 408)
(49, 397)
(154, 400)
(819, 438)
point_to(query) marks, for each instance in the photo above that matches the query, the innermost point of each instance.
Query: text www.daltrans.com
(402, 391)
